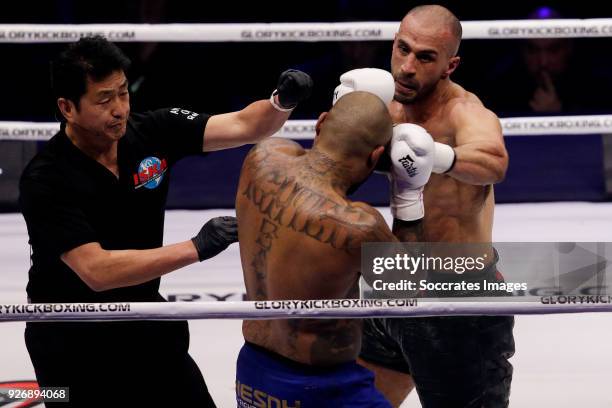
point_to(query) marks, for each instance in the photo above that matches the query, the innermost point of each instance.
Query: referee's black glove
(216, 235)
(293, 87)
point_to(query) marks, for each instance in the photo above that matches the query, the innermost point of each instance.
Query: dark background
(221, 77)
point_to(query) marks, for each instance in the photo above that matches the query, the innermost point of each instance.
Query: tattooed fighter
(300, 238)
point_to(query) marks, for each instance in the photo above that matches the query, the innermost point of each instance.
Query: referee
(93, 200)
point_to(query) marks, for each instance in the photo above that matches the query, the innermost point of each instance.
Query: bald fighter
(453, 361)
(300, 238)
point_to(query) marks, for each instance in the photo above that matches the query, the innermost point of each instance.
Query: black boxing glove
(216, 235)
(293, 87)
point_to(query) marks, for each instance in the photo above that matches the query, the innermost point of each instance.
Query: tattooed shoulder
(377, 229)
(273, 146)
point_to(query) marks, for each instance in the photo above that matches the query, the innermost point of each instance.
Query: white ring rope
(304, 32)
(294, 309)
(305, 129)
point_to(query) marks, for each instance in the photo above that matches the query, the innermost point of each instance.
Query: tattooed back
(300, 239)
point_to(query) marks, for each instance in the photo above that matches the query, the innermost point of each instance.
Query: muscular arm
(249, 125)
(378, 230)
(481, 155)
(103, 270)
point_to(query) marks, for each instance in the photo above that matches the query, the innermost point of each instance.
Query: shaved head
(438, 21)
(356, 125)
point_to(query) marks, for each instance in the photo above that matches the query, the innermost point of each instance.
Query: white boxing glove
(412, 160)
(373, 80)
(444, 158)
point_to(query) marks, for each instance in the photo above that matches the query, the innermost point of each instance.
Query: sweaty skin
(300, 237)
(458, 205)
(454, 211)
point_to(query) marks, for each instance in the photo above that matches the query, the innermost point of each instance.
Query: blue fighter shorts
(267, 379)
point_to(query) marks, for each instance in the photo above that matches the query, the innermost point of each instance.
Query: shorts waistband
(288, 364)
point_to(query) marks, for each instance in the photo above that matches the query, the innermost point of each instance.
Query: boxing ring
(561, 359)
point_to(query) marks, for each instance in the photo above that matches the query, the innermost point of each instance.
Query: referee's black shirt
(68, 199)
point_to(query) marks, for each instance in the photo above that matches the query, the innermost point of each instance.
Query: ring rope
(299, 309)
(305, 129)
(302, 32)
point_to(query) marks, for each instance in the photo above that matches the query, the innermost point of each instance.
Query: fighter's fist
(412, 154)
(373, 80)
(412, 160)
(293, 87)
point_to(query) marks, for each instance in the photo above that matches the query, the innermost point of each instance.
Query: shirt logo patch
(151, 172)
